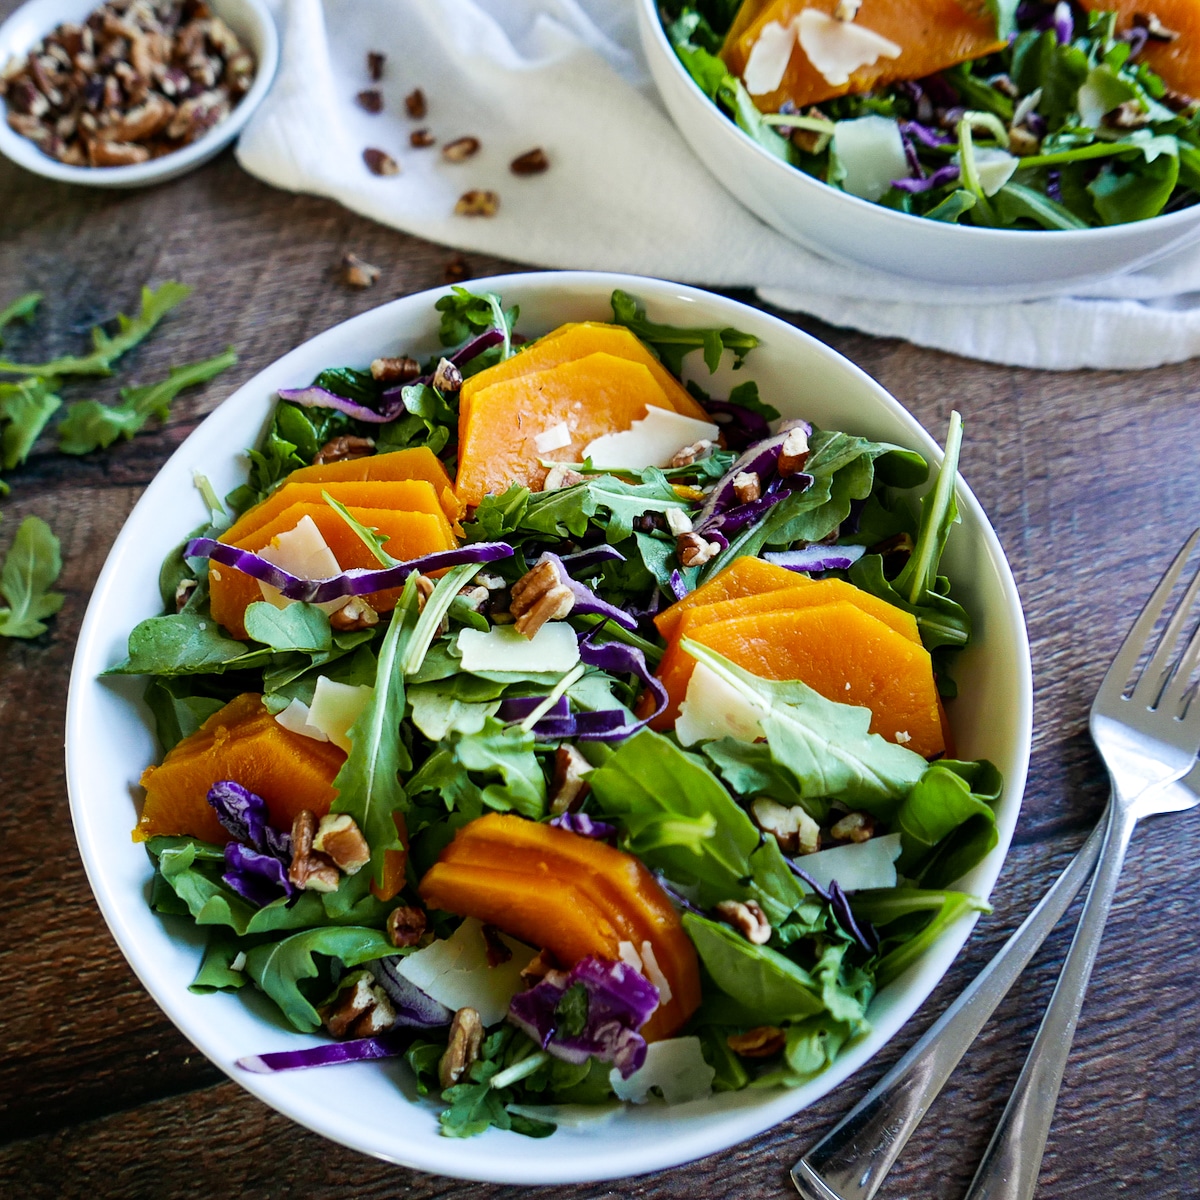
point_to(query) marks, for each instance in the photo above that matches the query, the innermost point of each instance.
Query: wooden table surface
(1091, 480)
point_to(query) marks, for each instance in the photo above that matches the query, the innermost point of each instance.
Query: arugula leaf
(298, 626)
(430, 421)
(108, 348)
(178, 710)
(30, 568)
(278, 968)
(90, 425)
(25, 408)
(467, 314)
(21, 309)
(1139, 192)
(351, 383)
(216, 971)
(368, 784)
(506, 751)
(672, 342)
(1005, 12)
(826, 746)
(750, 769)
(185, 643)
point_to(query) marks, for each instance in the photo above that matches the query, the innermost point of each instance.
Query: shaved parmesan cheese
(716, 709)
(555, 438)
(871, 153)
(455, 972)
(995, 167)
(302, 552)
(335, 707)
(675, 1066)
(651, 442)
(569, 1116)
(627, 953)
(502, 648)
(838, 48)
(855, 866)
(295, 718)
(769, 57)
(652, 972)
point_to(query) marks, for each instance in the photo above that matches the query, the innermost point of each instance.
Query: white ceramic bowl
(842, 227)
(373, 1107)
(249, 19)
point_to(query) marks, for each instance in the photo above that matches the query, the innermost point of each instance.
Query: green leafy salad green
(1069, 126)
(714, 911)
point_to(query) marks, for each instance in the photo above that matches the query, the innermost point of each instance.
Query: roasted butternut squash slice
(419, 462)
(404, 495)
(676, 667)
(590, 396)
(409, 534)
(932, 35)
(744, 576)
(571, 895)
(845, 654)
(242, 742)
(578, 340)
(1177, 61)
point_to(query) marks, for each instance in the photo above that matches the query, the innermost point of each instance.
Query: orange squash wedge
(1177, 61)
(675, 669)
(932, 35)
(419, 462)
(567, 894)
(845, 654)
(578, 340)
(744, 576)
(594, 395)
(242, 742)
(410, 535)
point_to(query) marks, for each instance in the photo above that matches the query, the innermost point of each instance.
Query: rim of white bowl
(446, 1156)
(1186, 218)
(25, 153)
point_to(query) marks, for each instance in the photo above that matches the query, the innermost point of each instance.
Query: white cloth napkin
(624, 192)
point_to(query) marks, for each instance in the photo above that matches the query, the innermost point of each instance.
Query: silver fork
(850, 1162)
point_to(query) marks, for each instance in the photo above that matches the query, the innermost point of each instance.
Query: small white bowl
(374, 1107)
(842, 227)
(249, 19)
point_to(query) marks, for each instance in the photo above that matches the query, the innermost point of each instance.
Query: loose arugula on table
(431, 747)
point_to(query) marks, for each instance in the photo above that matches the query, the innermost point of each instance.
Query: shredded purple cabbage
(586, 601)
(1063, 23)
(583, 825)
(593, 556)
(677, 584)
(741, 426)
(677, 898)
(619, 1001)
(415, 1009)
(942, 175)
(839, 905)
(358, 581)
(618, 659)
(738, 516)
(258, 857)
(256, 877)
(925, 134)
(816, 557)
(475, 347)
(386, 1045)
(559, 722)
(319, 397)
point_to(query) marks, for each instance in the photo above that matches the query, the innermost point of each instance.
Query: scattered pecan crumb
(538, 968)
(792, 827)
(375, 62)
(747, 486)
(359, 1010)
(379, 162)
(420, 139)
(460, 149)
(569, 786)
(339, 836)
(456, 270)
(477, 203)
(498, 952)
(560, 476)
(462, 1049)
(690, 454)
(854, 827)
(183, 593)
(357, 272)
(1128, 115)
(309, 868)
(345, 446)
(793, 454)
(405, 926)
(1022, 141)
(1156, 31)
(761, 1042)
(532, 162)
(414, 104)
(401, 369)
(540, 596)
(747, 918)
(371, 100)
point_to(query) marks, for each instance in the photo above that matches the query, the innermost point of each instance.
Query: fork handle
(851, 1161)
(1009, 1170)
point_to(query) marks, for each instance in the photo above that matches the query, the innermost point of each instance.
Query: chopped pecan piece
(561, 476)
(532, 162)
(414, 104)
(447, 377)
(360, 1009)
(375, 62)
(358, 273)
(400, 369)
(370, 100)
(466, 1039)
(498, 951)
(103, 153)
(793, 454)
(379, 162)
(405, 926)
(854, 827)
(354, 615)
(694, 550)
(569, 786)
(747, 918)
(538, 968)
(339, 837)
(477, 203)
(747, 486)
(142, 122)
(460, 149)
(792, 828)
(420, 139)
(344, 447)
(310, 869)
(540, 596)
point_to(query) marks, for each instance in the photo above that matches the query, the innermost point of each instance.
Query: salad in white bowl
(573, 736)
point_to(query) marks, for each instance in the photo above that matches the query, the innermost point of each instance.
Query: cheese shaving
(839, 48)
(554, 438)
(769, 57)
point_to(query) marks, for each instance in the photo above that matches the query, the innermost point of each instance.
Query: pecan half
(379, 162)
(460, 149)
(370, 100)
(361, 1008)
(339, 837)
(540, 596)
(343, 447)
(854, 827)
(694, 550)
(747, 918)
(532, 162)
(358, 273)
(400, 369)
(414, 104)
(466, 1039)
(310, 869)
(421, 139)
(792, 828)
(405, 926)
(747, 486)
(569, 786)
(763, 1041)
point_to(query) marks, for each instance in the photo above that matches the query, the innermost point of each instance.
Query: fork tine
(1177, 686)
(1163, 666)
(1113, 686)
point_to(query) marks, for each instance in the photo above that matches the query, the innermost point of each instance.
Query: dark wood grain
(1090, 479)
